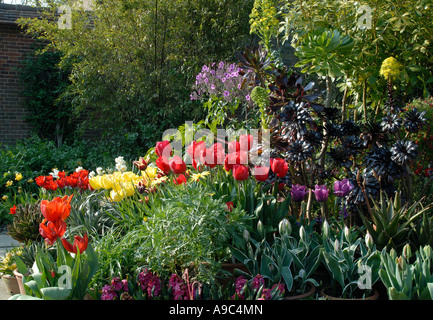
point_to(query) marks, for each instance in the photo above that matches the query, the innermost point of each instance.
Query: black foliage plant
(319, 147)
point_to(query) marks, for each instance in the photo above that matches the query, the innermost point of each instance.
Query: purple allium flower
(342, 188)
(321, 193)
(298, 192)
(257, 282)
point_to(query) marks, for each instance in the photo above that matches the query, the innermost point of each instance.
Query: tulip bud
(407, 252)
(260, 227)
(400, 263)
(347, 233)
(325, 229)
(369, 241)
(246, 235)
(302, 233)
(285, 227)
(393, 253)
(336, 245)
(427, 251)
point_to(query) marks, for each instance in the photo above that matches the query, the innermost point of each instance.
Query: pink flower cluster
(242, 286)
(221, 80)
(149, 283)
(118, 289)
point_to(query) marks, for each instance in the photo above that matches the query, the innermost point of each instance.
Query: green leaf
(55, 293)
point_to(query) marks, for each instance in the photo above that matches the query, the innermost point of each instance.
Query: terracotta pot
(19, 277)
(373, 296)
(11, 284)
(309, 291)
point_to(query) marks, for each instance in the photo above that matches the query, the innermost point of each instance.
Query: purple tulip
(298, 192)
(342, 188)
(321, 193)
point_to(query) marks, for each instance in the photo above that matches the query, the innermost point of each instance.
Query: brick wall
(13, 46)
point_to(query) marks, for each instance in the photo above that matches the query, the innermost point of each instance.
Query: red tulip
(177, 165)
(52, 230)
(213, 155)
(180, 179)
(162, 164)
(231, 159)
(80, 244)
(240, 172)
(261, 173)
(141, 164)
(230, 206)
(195, 150)
(57, 209)
(13, 210)
(163, 148)
(279, 167)
(234, 146)
(246, 142)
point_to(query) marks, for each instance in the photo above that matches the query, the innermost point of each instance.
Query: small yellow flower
(30, 180)
(390, 68)
(197, 176)
(145, 219)
(9, 183)
(18, 176)
(5, 197)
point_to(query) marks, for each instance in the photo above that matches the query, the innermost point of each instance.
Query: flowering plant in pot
(7, 267)
(408, 277)
(290, 260)
(68, 275)
(348, 258)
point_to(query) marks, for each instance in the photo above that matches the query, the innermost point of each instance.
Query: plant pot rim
(17, 273)
(311, 290)
(373, 296)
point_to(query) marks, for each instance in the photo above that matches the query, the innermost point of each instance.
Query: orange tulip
(57, 209)
(52, 230)
(80, 244)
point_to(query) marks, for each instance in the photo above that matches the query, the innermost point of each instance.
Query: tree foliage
(134, 62)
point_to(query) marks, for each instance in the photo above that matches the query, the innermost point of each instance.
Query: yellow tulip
(95, 182)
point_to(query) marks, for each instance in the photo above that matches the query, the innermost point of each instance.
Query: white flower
(99, 171)
(79, 169)
(91, 174)
(55, 173)
(119, 160)
(121, 167)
